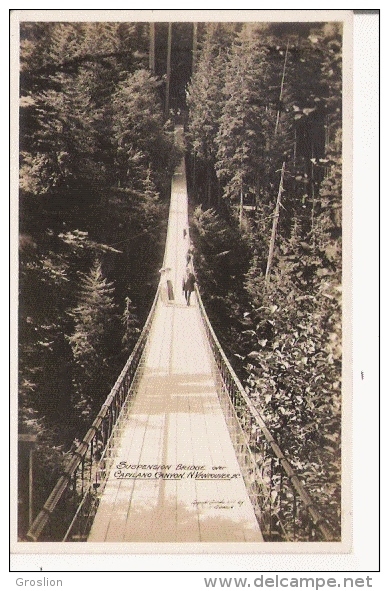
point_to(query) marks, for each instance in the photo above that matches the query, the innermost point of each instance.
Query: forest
(261, 105)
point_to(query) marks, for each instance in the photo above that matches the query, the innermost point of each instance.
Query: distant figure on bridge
(188, 284)
(189, 255)
(185, 232)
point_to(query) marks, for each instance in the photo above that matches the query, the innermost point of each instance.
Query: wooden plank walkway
(175, 476)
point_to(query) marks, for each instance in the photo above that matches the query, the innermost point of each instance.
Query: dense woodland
(262, 108)
(264, 135)
(96, 160)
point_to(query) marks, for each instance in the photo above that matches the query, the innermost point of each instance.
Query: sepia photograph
(183, 217)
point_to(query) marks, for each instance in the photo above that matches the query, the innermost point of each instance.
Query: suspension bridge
(178, 453)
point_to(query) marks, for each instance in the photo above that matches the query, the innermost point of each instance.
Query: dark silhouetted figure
(188, 285)
(189, 255)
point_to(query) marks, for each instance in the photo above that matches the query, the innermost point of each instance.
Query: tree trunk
(275, 223)
(194, 50)
(281, 89)
(208, 186)
(313, 197)
(313, 213)
(257, 190)
(168, 70)
(326, 144)
(241, 208)
(294, 147)
(152, 48)
(194, 172)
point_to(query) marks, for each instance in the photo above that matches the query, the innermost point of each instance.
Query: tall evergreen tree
(130, 325)
(139, 132)
(205, 101)
(91, 342)
(240, 139)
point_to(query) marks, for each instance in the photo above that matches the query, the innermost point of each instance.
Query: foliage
(96, 160)
(222, 257)
(93, 340)
(205, 96)
(205, 102)
(131, 326)
(281, 89)
(240, 138)
(139, 133)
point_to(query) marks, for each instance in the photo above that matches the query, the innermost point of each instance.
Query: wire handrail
(85, 471)
(284, 509)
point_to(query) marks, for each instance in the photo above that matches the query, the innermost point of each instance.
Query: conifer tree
(139, 131)
(130, 325)
(205, 102)
(91, 341)
(240, 139)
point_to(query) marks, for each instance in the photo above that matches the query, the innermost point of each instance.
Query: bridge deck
(175, 477)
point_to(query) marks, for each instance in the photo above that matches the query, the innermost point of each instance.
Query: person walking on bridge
(188, 283)
(189, 254)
